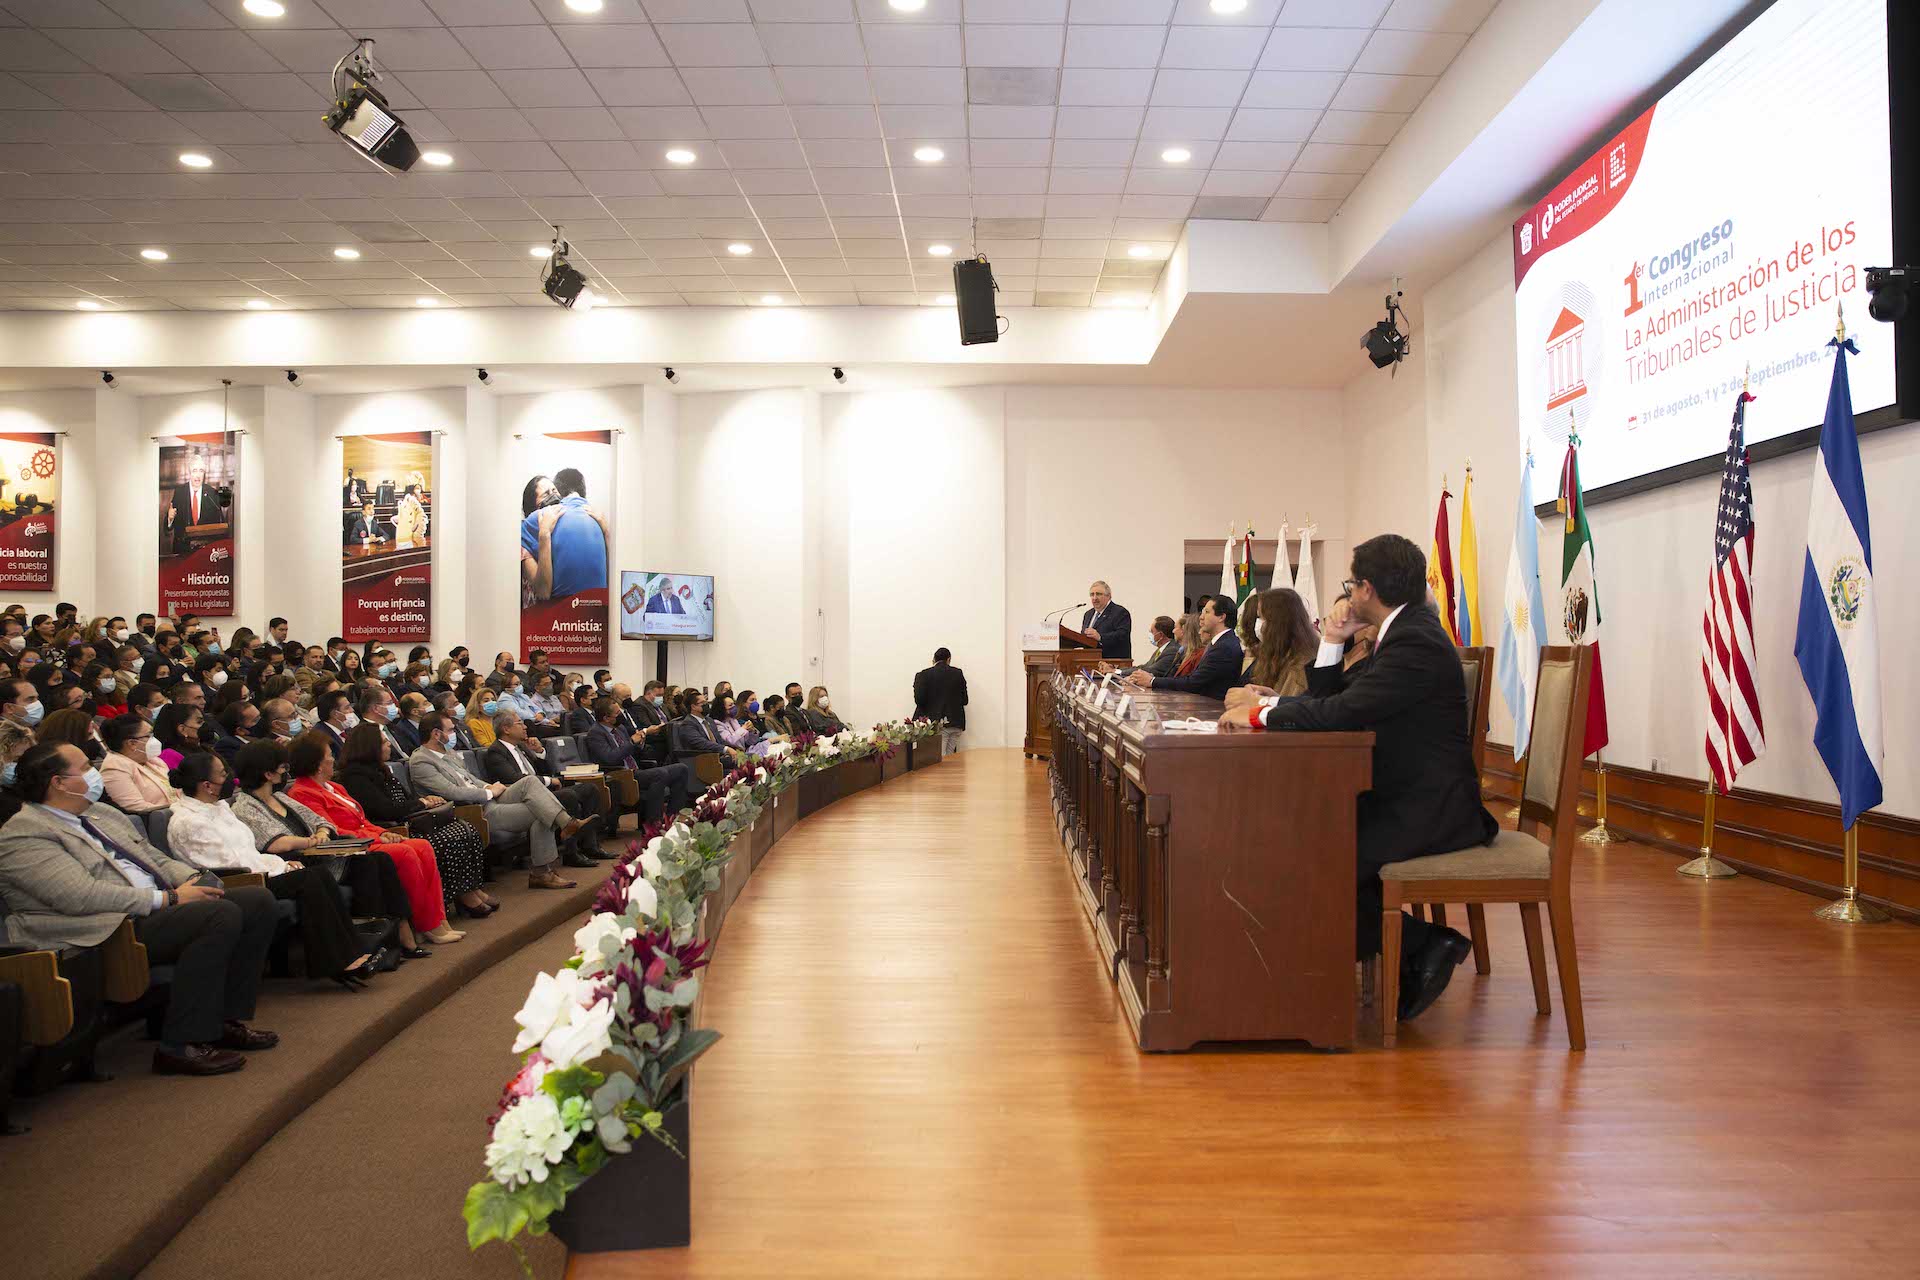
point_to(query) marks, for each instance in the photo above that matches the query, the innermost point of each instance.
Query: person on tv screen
(663, 600)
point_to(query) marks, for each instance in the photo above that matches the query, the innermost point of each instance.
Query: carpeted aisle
(368, 1181)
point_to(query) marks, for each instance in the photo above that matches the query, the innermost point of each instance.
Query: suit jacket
(182, 501)
(406, 733)
(1164, 663)
(501, 767)
(641, 714)
(62, 891)
(940, 692)
(359, 529)
(440, 773)
(609, 749)
(693, 736)
(1411, 694)
(1217, 671)
(1115, 629)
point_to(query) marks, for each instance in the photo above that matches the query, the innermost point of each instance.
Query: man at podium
(1106, 624)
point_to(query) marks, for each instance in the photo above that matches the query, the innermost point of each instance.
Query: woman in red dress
(310, 762)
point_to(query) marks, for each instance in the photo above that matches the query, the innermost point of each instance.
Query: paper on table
(1190, 725)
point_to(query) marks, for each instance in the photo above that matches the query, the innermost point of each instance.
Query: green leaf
(572, 1082)
(493, 1213)
(675, 1064)
(544, 1199)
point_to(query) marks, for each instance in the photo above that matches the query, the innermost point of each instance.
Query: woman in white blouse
(204, 831)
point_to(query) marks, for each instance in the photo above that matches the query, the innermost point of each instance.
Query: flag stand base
(1849, 909)
(1600, 835)
(1706, 866)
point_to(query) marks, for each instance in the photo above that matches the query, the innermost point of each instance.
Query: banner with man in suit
(386, 550)
(29, 493)
(199, 480)
(565, 541)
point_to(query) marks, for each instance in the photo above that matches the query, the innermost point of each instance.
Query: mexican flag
(1579, 591)
(1243, 569)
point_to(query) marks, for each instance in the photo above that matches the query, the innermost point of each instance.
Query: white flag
(1303, 576)
(1227, 585)
(1282, 570)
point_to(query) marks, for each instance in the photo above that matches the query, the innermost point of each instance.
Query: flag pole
(1600, 835)
(1849, 909)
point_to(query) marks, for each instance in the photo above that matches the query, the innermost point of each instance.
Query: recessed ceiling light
(87, 304)
(1140, 251)
(739, 250)
(265, 8)
(348, 254)
(258, 304)
(194, 160)
(907, 6)
(929, 155)
(940, 250)
(154, 255)
(584, 6)
(1176, 155)
(770, 299)
(426, 302)
(944, 300)
(1228, 7)
(680, 155)
(439, 158)
(1122, 300)
(540, 251)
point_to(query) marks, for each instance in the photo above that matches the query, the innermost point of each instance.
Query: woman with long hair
(483, 704)
(457, 848)
(178, 728)
(1285, 643)
(1192, 646)
(820, 717)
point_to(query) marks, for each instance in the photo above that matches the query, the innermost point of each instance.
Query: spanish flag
(1440, 566)
(1467, 615)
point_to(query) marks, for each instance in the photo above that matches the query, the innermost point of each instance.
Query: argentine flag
(1837, 642)
(1517, 665)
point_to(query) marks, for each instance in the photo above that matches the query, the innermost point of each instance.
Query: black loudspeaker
(973, 290)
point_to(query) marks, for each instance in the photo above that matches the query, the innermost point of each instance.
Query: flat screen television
(665, 606)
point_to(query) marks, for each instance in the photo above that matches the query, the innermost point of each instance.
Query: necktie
(196, 505)
(121, 853)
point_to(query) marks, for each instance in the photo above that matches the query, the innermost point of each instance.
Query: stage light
(87, 304)
(940, 250)
(154, 255)
(562, 282)
(106, 380)
(1887, 287)
(671, 375)
(929, 155)
(1384, 343)
(258, 304)
(346, 254)
(839, 374)
(680, 155)
(1176, 155)
(483, 375)
(361, 117)
(439, 159)
(293, 377)
(194, 160)
(739, 250)
(265, 8)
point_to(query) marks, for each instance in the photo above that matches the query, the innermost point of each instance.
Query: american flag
(1735, 735)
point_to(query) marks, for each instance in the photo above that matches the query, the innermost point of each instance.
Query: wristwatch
(173, 897)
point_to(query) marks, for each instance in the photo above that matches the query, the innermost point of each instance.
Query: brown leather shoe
(548, 878)
(238, 1035)
(572, 829)
(196, 1060)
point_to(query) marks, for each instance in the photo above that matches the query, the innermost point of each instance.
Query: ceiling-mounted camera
(483, 375)
(107, 381)
(293, 377)
(671, 375)
(839, 374)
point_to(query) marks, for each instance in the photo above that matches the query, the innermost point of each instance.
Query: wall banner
(199, 483)
(566, 530)
(386, 549)
(29, 498)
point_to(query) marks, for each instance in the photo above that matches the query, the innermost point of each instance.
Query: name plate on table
(1126, 701)
(1100, 699)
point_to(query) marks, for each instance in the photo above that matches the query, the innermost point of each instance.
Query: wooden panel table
(1216, 870)
(1041, 666)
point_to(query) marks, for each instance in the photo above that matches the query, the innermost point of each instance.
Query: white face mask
(1259, 628)
(121, 635)
(825, 702)
(351, 722)
(216, 678)
(153, 748)
(16, 643)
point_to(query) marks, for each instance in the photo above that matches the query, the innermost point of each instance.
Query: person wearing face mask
(819, 709)
(377, 707)
(449, 705)
(405, 726)
(576, 716)
(516, 754)
(417, 678)
(71, 869)
(693, 734)
(661, 790)
(1218, 668)
(773, 718)
(334, 710)
(526, 808)
(127, 666)
(647, 721)
(178, 729)
(235, 727)
(22, 704)
(14, 743)
(502, 664)
(482, 707)
(109, 699)
(280, 720)
(1285, 645)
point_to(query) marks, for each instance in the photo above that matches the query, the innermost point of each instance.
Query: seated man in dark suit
(363, 528)
(693, 733)
(516, 754)
(414, 708)
(647, 716)
(1219, 668)
(72, 868)
(1107, 623)
(1166, 655)
(1411, 694)
(662, 791)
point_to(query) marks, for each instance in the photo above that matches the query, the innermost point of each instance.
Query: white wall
(1652, 555)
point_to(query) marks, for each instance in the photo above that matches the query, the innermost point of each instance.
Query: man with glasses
(72, 868)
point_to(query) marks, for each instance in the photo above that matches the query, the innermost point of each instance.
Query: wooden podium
(1069, 658)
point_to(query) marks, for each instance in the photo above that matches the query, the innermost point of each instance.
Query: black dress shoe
(240, 1037)
(1427, 974)
(575, 858)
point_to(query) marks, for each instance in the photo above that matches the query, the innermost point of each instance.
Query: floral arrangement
(888, 737)
(608, 1038)
(921, 728)
(852, 745)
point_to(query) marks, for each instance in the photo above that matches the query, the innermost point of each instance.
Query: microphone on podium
(1058, 613)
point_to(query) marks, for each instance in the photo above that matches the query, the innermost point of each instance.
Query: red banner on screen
(570, 630)
(30, 483)
(199, 502)
(1583, 198)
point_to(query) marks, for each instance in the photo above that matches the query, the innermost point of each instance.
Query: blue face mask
(389, 670)
(659, 700)
(489, 708)
(213, 646)
(753, 708)
(7, 773)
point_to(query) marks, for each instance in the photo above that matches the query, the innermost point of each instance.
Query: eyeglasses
(1346, 586)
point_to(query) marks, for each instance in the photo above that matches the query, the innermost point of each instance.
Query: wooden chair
(707, 768)
(1527, 867)
(1475, 664)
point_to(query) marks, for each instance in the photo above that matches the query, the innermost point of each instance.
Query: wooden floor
(926, 1075)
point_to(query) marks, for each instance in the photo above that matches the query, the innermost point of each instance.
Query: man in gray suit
(71, 869)
(526, 806)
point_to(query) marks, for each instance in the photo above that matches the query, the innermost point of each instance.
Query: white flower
(650, 857)
(583, 1037)
(547, 1005)
(642, 898)
(528, 1139)
(590, 938)
(828, 750)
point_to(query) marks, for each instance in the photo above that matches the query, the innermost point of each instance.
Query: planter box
(786, 811)
(734, 875)
(818, 790)
(760, 836)
(926, 752)
(640, 1200)
(858, 775)
(898, 763)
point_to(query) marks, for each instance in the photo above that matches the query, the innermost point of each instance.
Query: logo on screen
(1526, 238)
(1546, 223)
(632, 600)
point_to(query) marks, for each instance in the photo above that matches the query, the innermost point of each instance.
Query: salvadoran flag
(1517, 665)
(1837, 641)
